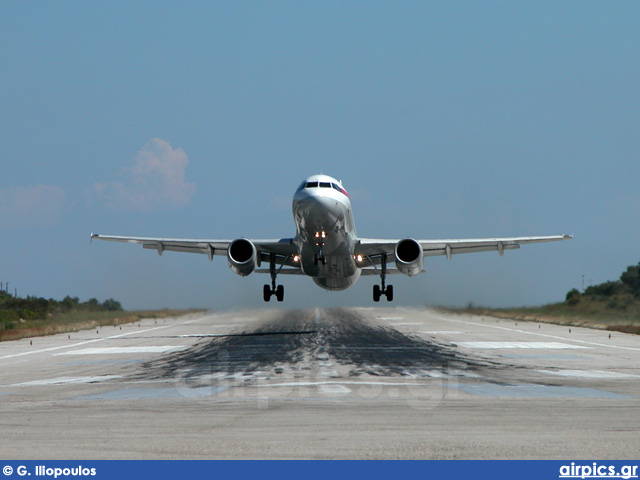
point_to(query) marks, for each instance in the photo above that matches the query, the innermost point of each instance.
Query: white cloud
(38, 205)
(156, 179)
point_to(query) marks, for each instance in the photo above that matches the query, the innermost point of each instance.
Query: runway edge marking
(53, 349)
(440, 317)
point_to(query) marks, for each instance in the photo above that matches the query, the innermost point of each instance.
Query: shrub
(9, 316)
(30, 314)
(573, 296)
(111, 305)
(70, 302)
(631, 279)
(606, 289)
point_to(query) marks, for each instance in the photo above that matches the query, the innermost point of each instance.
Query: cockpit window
(306, 184)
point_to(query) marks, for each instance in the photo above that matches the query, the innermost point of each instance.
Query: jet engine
(242, 256)
(409, 257)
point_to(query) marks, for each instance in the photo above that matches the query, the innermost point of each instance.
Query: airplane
(326, 246)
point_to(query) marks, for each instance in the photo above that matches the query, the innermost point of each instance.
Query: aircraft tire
(376, 293)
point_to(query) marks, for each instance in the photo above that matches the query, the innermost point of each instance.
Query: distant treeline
(619, 293)
(14, 310)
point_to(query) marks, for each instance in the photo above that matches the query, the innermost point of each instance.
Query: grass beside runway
(591, 313)
(612, 305)
(76, 320)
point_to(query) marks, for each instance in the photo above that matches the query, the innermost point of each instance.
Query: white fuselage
(325, 233)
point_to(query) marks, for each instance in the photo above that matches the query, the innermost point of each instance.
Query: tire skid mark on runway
(317, 343)
(382, 350)
(261, 345)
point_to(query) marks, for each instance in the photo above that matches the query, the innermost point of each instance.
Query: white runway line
(501, 345)
(466, 322)
(67, 380)
(588, 374)
(204, 335)
(442, 332)
(53, 349)
(335, 389)
(122, 350)
(219, 326)
(338, 382)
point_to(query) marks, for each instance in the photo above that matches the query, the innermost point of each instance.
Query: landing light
(296, 258)
(359, 258)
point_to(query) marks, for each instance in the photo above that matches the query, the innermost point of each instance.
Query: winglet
(568, 237)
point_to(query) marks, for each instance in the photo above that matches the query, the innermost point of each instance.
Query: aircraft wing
(283, 247)
(375, 248)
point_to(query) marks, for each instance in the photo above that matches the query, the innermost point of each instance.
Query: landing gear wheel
(379, 290)
(317, 259)
(273, 289)
(389, 293)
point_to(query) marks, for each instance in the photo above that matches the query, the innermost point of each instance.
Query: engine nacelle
(242, 256)
(409, 257)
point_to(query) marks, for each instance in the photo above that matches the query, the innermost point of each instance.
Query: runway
(361, 383)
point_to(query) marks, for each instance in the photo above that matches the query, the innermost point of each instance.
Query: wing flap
(211, 247)
(375, 248)
(283, 271)
(370, 271)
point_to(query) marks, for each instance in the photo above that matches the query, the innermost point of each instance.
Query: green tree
(111, 305)
(70, 302)
(573, 296)
(631, 278)
(606, 289)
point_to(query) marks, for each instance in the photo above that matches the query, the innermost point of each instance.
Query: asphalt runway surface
(361, 383)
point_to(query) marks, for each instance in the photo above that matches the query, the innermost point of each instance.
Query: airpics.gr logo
(595, 470)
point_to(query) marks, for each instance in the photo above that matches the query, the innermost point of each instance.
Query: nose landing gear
(319, 258)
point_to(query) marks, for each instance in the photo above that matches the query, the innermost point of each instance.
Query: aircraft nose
(314, 201)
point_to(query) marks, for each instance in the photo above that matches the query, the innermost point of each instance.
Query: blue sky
(199, 120)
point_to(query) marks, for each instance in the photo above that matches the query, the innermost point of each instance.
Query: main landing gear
(269, 290)
(379, 290)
